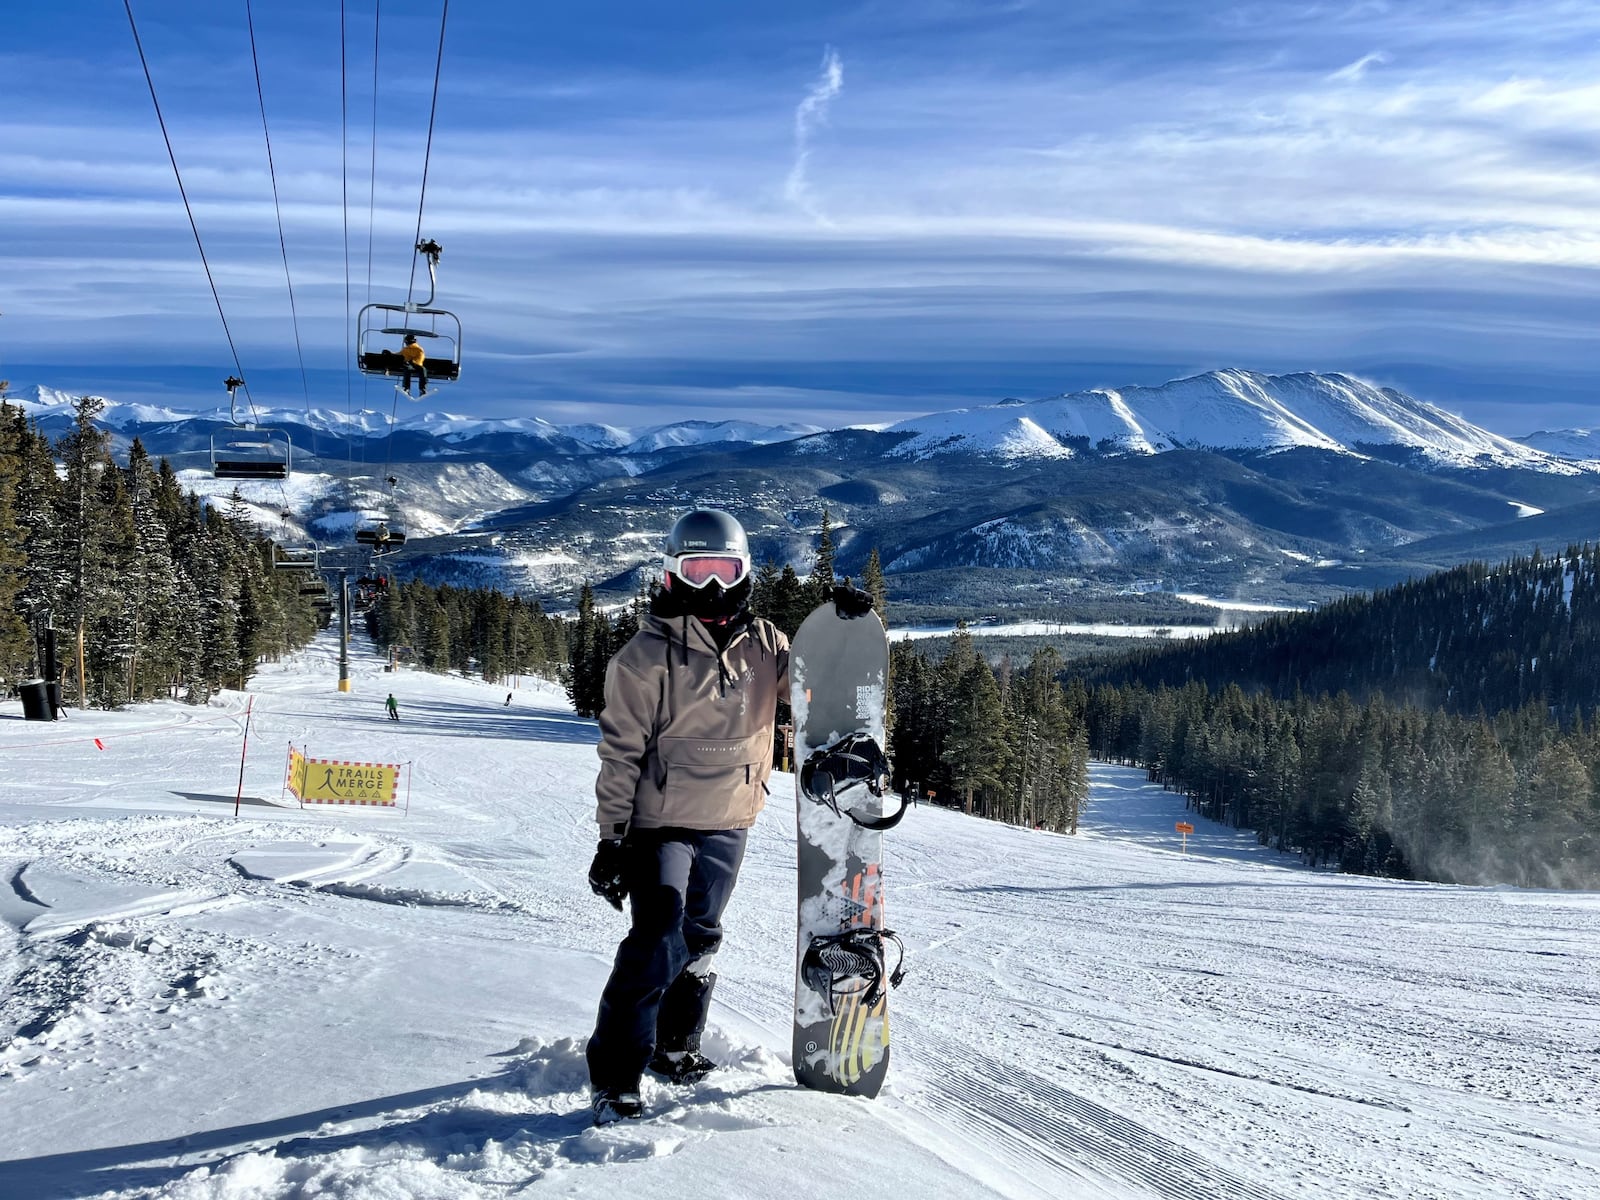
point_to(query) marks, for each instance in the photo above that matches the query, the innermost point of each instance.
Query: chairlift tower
(344, 629)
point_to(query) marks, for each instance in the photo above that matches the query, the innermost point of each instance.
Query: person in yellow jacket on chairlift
(415, 357)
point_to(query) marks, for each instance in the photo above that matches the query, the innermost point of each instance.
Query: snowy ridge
(1223, 410)
(1580, 444)
(47, 403)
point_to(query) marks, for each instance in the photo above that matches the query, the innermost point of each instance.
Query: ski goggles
(697, 570)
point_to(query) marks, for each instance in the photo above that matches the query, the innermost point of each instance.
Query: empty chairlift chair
(251, 454)
(295, 558)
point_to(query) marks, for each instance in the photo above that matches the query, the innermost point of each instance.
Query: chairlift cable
(187, 208)
(372, 195)
(344, 214)
(283, 245)
(427, 151)
(372, 175)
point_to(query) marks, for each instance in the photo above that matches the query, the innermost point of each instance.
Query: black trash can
(36, 701)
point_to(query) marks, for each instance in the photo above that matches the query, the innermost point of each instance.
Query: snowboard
(846, 961)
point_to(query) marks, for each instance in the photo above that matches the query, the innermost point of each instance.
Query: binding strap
(849, 763)
(843, 964)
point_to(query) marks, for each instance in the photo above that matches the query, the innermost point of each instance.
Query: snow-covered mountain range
(1224, 410)
(52, 406)
(1228, 410)
(1227, 480)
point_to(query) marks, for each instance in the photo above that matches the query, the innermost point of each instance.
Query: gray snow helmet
(707, 564)
(707, 531)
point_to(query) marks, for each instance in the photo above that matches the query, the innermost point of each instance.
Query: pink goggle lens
(701, 569)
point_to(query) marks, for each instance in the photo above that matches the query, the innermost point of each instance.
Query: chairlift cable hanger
(427, 150)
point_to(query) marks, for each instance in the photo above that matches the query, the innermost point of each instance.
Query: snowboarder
(686, 747)
(415, 357)
(685, 751)
(393, 707)
(508, 700)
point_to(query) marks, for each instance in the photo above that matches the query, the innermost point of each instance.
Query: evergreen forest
(1444, 728)
(151, 593)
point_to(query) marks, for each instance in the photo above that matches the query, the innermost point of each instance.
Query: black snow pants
(659, 993)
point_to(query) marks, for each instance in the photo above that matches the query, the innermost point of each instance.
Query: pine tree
(16, 646)
(85, 527)
(764, 589)
(151, 582)
(820, 584)
(583, 689)
(790, 602)
(873, 581)
(976, 747)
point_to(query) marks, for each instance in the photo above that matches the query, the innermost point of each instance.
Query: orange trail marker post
(1185, 829)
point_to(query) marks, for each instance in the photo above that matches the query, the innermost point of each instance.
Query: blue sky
(833, 211)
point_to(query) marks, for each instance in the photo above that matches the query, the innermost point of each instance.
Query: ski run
(375, 1002)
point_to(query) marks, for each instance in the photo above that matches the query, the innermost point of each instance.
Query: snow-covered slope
(1581, 444)
(370, 1003)
(1223, 410)
(705, 433)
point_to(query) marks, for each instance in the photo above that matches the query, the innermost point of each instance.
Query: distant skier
(685, 751)
(393, 707)
(508, 700)
(415, 357)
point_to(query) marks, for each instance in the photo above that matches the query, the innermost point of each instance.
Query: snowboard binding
(849, 763)
(851, 962)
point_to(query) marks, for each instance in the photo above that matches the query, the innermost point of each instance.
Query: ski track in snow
(367, 1003)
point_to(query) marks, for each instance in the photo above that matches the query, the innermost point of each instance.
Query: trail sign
(1186, 829)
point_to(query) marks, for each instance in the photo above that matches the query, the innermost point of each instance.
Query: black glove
(851, 601)
(605, 873)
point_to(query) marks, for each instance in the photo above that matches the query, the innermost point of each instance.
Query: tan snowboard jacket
(686, 734)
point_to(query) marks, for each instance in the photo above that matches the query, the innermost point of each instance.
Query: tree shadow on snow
(87, 1172)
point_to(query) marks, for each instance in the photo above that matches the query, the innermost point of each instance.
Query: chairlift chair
(313, 587)
(382, 536)
(295, 558)
(381, 329)
(247, 453)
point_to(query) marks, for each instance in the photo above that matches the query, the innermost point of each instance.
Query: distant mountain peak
(1228, 410)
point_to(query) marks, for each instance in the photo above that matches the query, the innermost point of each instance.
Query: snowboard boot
(609, 1106)
(681, 1066)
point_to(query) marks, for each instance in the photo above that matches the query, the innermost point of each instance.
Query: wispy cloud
(1353, 72)
(808, 115)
